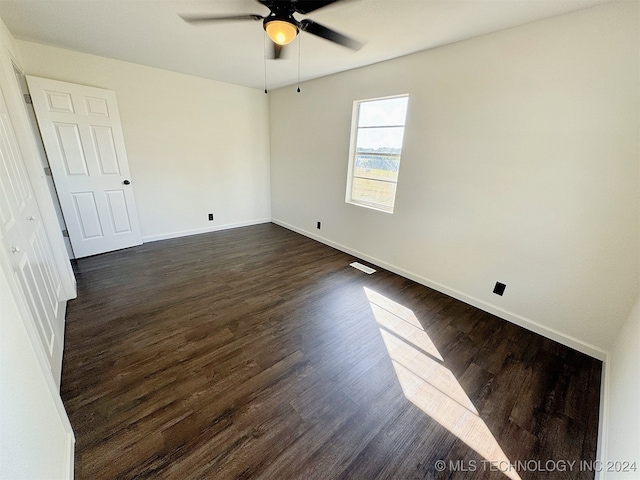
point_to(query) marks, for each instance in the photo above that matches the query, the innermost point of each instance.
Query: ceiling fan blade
(198, 19)
(307, 6)
(315, 28)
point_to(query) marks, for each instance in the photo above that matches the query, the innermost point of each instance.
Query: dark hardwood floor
(259, 353)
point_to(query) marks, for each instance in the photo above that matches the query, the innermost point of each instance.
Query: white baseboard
(519, 320)
(603, 420)
(197, 231)
(71, 443)
(567, 340)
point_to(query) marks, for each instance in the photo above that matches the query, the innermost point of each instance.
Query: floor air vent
(363, 268)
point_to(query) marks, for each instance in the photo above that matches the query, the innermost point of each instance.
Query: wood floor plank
(259, 353)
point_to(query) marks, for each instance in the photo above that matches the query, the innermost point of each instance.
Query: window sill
(370, 207)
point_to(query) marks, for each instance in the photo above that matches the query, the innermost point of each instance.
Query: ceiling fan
(280, 24)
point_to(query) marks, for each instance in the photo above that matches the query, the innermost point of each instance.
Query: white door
(29, 251)
(82, 136)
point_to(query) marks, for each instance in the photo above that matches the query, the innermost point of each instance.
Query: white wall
(195, 146)
(623, 438)
(520, 165)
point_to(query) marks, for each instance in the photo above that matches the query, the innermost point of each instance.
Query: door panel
(105, 150)
(87, 216)
(39, 293)
(83, 139)
(59, 102)
(47, 270)
(16, 184)
(29, 286)
(120, 219)
(70, 148)
(96, 107)
(29, 251)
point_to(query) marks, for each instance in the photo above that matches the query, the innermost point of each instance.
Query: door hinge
(65, 233)
(47, 171)
(27, 99)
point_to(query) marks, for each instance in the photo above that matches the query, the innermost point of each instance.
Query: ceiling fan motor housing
(280, 24)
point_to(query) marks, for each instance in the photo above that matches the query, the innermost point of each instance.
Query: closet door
(23, 237)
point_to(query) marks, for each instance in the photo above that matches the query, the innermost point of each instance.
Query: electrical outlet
(210, 216)
(318, 225)
(499, 288)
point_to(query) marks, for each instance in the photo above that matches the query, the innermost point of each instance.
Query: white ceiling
(150, 32)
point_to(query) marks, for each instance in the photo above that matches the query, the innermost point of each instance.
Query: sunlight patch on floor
(427, 383)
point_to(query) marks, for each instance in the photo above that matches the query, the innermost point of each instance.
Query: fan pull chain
(299, 40)
(264, 56)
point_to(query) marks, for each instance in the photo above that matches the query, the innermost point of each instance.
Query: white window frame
(355, 127)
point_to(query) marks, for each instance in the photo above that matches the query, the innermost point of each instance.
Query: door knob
(126, 182)
(15, 249)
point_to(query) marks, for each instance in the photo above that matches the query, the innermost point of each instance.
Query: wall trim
(197, 231)
(514, 318)
(602, 450)
(71, 442)
(567, 340)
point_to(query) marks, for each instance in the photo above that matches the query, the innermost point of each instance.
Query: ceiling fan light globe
(281, 32)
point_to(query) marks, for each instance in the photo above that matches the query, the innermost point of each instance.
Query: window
(376, 144)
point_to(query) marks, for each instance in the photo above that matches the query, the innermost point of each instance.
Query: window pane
(376, 146)
(373, 192)
(377, 167)
(382, 139)
(390, 111)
